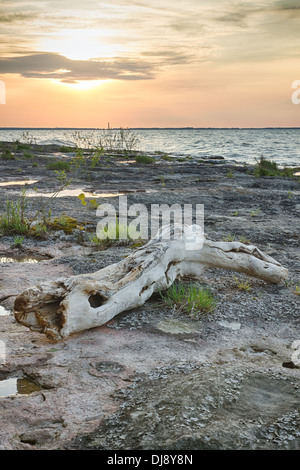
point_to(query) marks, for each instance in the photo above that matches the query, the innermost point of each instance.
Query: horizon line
(147, 128)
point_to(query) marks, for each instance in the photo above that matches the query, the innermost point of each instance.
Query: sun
(80, 44)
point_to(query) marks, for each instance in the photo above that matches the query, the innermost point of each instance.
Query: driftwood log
(77, 303)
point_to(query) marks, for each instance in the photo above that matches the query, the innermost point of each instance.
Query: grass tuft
(58, 165)
(266, 167)
(144, 159)
(190, 299)
(7, 155)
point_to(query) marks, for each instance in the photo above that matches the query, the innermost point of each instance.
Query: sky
(198, 63)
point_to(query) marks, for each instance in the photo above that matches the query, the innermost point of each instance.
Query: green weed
(28, 155)
(190, 299)
(65, 223)
(229, 238)
(66, 149)
(7, 155)
(58, 165)
(266, 167)
(254, 213)
(145, 159)
(244, 240)
(18, 241)
(242, 285)
(22, 146)
(13, 220)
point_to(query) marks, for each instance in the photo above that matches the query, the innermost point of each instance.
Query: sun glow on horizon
(82, 85)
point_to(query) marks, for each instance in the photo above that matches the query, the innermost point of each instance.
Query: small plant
(242, 285)
(254, 213)
(266, 167)
(95, 241)
(93, 204)
(66, 149)
(40, 230)
(165, 156)
(58, 165)
(244, 240)
(145, 159)
(28, 155)
(13, 220)
(229, 174)
(162, 181)
(123, 140)
(65, 223)
(22, 146)
(7, 155)
(297, 289)
(229, 238)
(190, 299)
(18, 241)
(83, 162)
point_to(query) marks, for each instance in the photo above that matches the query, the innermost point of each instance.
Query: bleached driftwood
(68, 305)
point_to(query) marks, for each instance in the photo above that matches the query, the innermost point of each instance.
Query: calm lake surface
(241, 145)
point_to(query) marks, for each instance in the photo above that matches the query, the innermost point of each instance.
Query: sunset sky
(159, 63)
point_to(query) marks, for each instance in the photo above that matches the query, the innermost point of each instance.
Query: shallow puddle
(5, 259)
(17, 183)
(16, 386)
(75, 193)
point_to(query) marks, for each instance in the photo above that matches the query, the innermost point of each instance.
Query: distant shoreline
(147, 128)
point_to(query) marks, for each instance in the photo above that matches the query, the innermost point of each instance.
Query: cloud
(287, 5)
(15, 17)
(172, 57)
(55, 66)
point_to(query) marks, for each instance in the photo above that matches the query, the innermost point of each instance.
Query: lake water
(242, 145)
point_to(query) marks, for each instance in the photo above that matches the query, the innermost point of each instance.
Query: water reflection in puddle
(3, 311)
(15, 386)
(5, 259)
(76, 192)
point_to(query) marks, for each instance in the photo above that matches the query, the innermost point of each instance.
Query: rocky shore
(152, 378)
